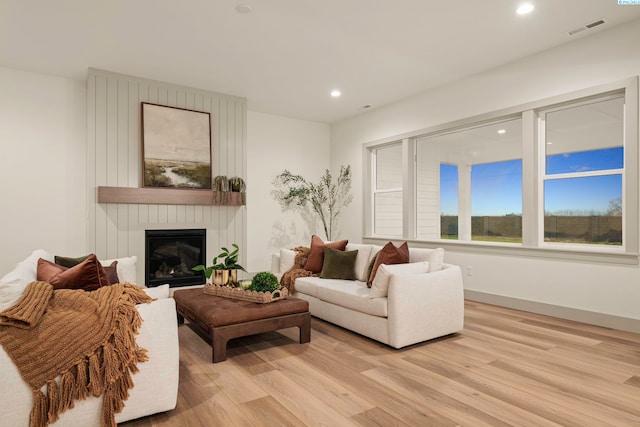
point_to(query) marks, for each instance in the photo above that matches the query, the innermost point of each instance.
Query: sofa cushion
(351, 294)
(389, 254)
(88, 275)
(126, 268)
(158, 292)
(380, 285)
(10, 292)
(362, 260)
(309, 285)
(287, 260)
(13, 284)
(26, 270)
(316, 254)
(339, 264)
(435, 257)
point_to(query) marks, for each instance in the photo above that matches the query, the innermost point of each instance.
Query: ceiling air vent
(586, 27)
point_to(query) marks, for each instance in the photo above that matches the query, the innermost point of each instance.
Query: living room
(51, 174)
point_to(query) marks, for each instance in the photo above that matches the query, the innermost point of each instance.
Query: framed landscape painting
(176, 147)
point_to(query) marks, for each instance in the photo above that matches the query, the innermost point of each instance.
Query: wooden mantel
(169, 196)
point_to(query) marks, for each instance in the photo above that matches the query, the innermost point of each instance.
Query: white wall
(42, 190)
(600, 58)
(276, 143)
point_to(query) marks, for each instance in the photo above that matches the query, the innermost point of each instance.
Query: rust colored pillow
(88, 275)
(316, 254)
(111, 270)
(389, 254)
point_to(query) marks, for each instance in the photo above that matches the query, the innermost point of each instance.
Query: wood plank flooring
(507, 368)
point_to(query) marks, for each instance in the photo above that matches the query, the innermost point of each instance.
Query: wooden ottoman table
(220, 319)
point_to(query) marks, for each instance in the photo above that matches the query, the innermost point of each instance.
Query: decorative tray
(245, 295)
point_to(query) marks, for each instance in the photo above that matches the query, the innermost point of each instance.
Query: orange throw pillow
(316, 254)
(88, 275)
(389, 254)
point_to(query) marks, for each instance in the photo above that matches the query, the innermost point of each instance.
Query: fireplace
(170, 255)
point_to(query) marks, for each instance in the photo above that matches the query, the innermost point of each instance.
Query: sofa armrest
(156, 384)
(425, 306)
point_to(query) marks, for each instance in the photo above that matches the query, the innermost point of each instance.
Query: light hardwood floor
(507, 368)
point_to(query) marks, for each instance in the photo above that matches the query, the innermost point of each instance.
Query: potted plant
(225, 267)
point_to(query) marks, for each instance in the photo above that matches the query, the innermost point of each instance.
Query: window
(448, 201)
(387, 194)
(479, 169)
(496, 202)
(559, 176)
(583, 172)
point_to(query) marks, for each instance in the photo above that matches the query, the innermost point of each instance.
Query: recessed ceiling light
(243, 8)
(524, 8)
(549, 143)
(502, 131)
(336, 93)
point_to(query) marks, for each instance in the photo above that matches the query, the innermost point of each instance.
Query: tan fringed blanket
(86, 338)
(288, 279)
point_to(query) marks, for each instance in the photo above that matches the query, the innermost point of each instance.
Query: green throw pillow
(339, 264)
(69, 262)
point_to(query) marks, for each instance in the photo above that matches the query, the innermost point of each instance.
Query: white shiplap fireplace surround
(114, 151)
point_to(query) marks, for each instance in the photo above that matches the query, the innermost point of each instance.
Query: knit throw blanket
(288, 279)
(86, 338)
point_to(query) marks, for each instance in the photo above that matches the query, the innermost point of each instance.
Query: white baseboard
(590, 317)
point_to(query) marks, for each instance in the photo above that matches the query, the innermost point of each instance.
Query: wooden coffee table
(217, 319)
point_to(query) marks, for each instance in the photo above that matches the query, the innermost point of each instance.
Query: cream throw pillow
(362, 260)
(126, 268)
(380, 285)
(435, 257)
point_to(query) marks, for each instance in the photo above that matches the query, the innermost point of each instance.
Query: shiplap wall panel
(91, 156)
(100, 161)
(114, 158)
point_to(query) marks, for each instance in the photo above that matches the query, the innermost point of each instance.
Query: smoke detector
(586, 27)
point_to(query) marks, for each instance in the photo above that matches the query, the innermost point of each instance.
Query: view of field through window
(577, 210)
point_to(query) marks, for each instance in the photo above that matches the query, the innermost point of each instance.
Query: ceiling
(285, 56)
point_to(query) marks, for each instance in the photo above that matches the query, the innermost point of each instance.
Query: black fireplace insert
(171, 254)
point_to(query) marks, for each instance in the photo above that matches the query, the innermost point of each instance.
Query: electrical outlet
(469, 270)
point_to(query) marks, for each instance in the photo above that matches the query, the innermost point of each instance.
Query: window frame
(543, 176)
(374, 185)
(533, 205)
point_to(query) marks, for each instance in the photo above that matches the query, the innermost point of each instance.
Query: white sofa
(418, 307)
(156, 384)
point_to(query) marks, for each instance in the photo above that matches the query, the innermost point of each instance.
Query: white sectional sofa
(156, 384)
(418, 307)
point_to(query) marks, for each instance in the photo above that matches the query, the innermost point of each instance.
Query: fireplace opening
(171, 254)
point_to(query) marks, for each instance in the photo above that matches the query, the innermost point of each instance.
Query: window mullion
(530, 180)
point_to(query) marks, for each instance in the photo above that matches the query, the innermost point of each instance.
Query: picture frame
(176, 147)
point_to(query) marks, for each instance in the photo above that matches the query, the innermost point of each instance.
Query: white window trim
(374, 189)
(531, 245)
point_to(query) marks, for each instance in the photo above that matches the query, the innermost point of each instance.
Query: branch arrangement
(325, 198)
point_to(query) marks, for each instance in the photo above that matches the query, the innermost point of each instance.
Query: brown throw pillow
(111, 270)
(389, 254)
(316, 255)
(370, 269)
(88, 275)
(339, 264)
